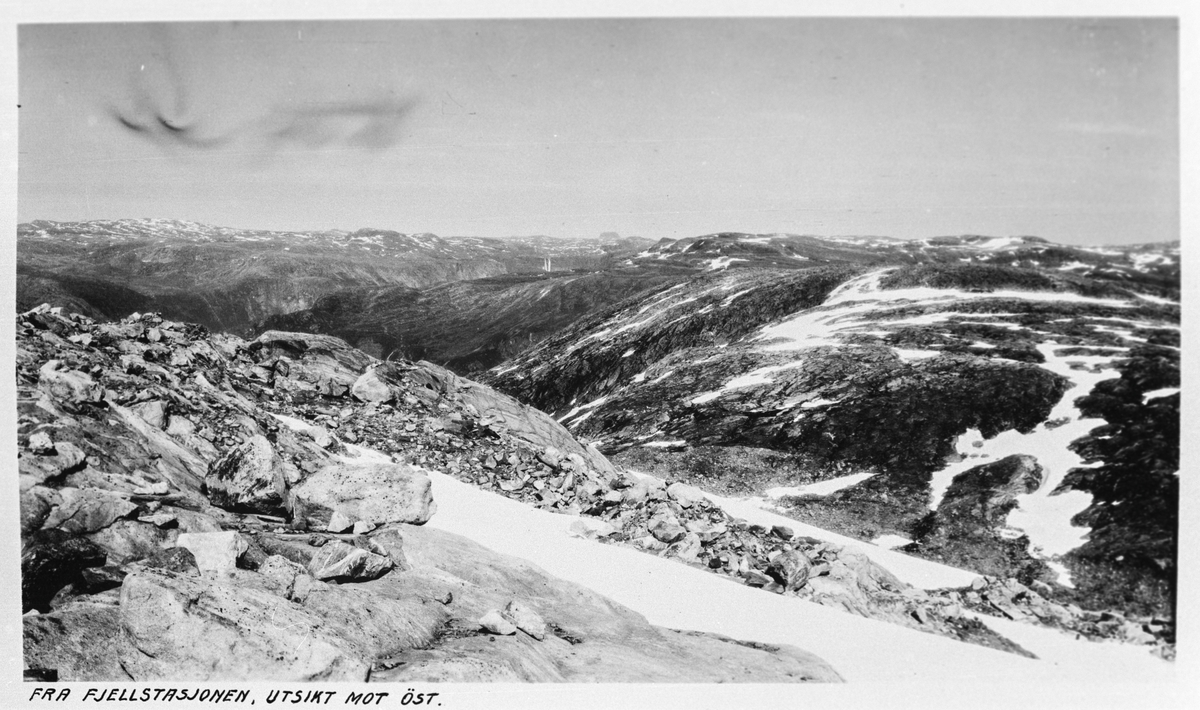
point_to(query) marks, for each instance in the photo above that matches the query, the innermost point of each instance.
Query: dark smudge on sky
(164, 109)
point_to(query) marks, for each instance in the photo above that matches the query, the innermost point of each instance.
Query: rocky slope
(197, 506)
(178, 524)
(893, 382)
(232, 279)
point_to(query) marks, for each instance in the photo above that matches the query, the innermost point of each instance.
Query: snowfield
(674, 595)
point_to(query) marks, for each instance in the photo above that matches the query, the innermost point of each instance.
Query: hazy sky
(1062, 128)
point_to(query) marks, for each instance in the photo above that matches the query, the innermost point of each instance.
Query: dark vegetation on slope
(596, 371)
(1135, 512)
(467, 326)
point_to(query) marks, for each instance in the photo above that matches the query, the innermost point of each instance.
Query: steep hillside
(471, 325)
(901, 383)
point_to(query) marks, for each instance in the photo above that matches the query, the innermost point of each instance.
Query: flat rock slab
(247, 628)
(377, 493)
(86, 510)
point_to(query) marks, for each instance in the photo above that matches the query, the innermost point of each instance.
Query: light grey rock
(216, 552)
(686, 496)
(338, 522)
(377, 493)
(86, 510)
(494, 623)
(370, 387)
(525, 618)
(154, 412)
(40, 443)
(666, 528)
(340, 561)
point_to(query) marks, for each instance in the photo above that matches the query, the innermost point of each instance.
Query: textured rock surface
(216, 553)
(378, 493)
(249, 478)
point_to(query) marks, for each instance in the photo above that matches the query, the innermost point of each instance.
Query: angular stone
(792, 568)
(494, 623)
(370, 387)
(666, 528)
(153, 412)
(685, 495)
(338, 522)
(250, 478)
(40, 443)
(525, 619)
(687, 549)
(378, 493)
(216, 552)
(389, 541)
(339, 561)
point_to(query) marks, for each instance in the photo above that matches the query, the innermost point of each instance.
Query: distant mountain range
(232, 279)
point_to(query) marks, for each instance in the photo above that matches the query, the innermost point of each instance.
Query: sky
(1066, 129)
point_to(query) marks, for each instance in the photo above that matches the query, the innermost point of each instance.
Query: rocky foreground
(196, 506)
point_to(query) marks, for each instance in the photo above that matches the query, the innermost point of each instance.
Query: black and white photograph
(450, 355)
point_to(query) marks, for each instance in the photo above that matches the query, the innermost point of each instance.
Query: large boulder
(251, 477)
(370, 387)
(377, 493)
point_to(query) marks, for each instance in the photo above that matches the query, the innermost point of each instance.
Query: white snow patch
(819, 402)
(660, 444)
(1045, 518)
(891, 541)
(907, 355)
(1157, 299)
(629, 352)
(1164, 392)
(820, 488)
(722, 262)
(590, 405)
(677, 596)
(1064, 574)
(861, 296)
